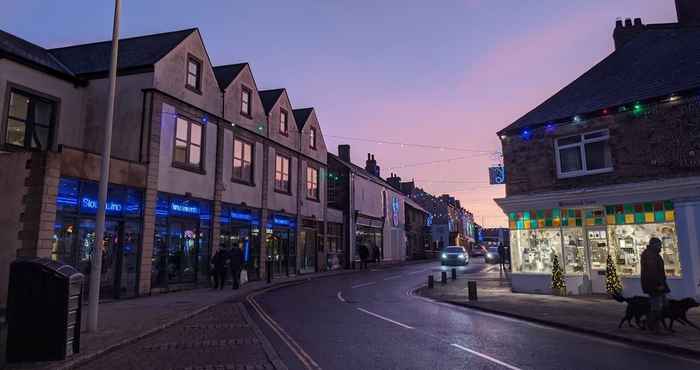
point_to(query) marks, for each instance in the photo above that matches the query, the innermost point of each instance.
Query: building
(610, 161)
(374, 213)
(200, 159)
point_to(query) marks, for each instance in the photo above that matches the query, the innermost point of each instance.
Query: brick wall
(662, 141)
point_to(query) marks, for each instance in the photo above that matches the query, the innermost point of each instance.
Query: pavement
(596, 315)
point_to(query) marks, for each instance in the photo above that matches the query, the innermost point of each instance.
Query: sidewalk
(595, 315)
(126, 321)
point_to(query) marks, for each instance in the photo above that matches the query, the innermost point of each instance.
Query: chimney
(394, 181)
(344, 152)
(688, 12)
(625, 32)
(371, 165)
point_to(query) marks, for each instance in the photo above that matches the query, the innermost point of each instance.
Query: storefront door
(182, 251)
(279, 247)
(308, 251)
(597, 253)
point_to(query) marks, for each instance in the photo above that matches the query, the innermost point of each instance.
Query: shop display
(574, 251)
(532, 250)
(629, 241)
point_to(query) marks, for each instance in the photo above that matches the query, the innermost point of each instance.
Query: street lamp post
(96, 266)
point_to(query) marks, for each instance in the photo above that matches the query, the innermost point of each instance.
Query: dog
(638, 308)
(677, 310)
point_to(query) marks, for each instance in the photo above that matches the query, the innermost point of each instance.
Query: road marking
(340, 297)
(393, 277)
(385, 318)
(363, 285)
(417, 272)
(487, 357)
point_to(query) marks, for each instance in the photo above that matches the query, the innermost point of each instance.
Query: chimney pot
(638, 21)
(369, 156)
(628, 22)
(618, 23)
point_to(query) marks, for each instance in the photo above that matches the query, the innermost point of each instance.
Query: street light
(96, 266)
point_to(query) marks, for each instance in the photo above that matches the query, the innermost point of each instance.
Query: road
(369, 320)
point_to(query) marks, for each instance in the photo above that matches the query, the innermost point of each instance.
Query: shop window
(188, 144)
(585, 154)
(312, 183)
(194, 74)
(574, 251)
(30, 121)
(282, 170)
(242, 161)
(246, 93)
(532, 251)
(629, 241)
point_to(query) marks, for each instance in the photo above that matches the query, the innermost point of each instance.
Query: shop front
(74, 233)
(335, 251)
(311, 234)
(181, 249)
(369, 231)
(583, 238)
(281, 244)
(240, 227)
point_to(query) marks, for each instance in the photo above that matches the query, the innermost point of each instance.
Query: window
(282, 182)
(284, 122)
(30, 121)
(312, 137)
(246, 93)
(194, 73)
(188, 143)
(586, 154)
(242, 161)
(312, 183)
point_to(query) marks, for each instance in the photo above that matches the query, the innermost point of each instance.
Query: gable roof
(134, 52)
(21, 50)
(227, 73)
(301, 116)
(658, 62)
(269, 98)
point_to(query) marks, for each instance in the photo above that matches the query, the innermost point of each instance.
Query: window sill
(285, 192)
(247, 115)
(189, 168)
(584, 173)
(194, 89)
(242, 182)
(285, 134)
(316, 200)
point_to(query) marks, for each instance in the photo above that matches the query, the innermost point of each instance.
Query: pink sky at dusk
(447, 73)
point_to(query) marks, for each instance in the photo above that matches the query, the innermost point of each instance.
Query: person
(364, 256)
(653, 277)
(218, 268)
(377, 254)
(235, 264)
(502, 256)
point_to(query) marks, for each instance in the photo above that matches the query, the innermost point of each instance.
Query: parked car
(454, 256)
(478, 251)
(492, 255)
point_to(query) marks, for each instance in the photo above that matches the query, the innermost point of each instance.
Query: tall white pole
(96, 269)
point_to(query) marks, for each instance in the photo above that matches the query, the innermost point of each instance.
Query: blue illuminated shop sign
(182, 207)
(172, 205)
(283, 221)
(81, 196)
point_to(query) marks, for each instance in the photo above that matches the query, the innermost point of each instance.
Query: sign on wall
(497, 175)
(395, 208)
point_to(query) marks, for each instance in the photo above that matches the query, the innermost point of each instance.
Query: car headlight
(489, 255)
(461, 256)
(444, 255)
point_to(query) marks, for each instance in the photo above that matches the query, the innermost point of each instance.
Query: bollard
(431, 282)
(443, 277)
(454, 274)
(471, 286)
(269, 270)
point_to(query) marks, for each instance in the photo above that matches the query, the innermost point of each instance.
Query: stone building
(610, 161)
(200, 159)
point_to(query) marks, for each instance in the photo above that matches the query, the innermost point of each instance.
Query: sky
(441, 73)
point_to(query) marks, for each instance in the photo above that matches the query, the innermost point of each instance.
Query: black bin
(43, 310)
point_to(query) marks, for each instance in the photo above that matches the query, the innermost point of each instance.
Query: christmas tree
(613, 284)
(558, 282)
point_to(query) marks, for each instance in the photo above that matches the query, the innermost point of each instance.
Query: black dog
(637, 308)
(676, 310)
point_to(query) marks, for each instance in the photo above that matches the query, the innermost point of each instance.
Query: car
(454, 255)
(478, 251)
(492, 255)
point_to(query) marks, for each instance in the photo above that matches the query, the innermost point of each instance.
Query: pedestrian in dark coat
(218, 266)
(653, 277)
(502, 256)
(363, 251)
(377, 254)
(236, 262)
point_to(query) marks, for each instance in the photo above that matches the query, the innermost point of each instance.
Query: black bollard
(454, 274)
(471, 286)
(431, 282)
(443, 277)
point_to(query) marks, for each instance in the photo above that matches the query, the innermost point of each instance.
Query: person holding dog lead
(653, 277)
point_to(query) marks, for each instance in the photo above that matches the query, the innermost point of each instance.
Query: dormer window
(284, 122)
(246, 93)
(194, 74)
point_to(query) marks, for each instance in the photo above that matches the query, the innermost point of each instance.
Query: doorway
(280, 249)
(308, 251)
(182, 251)
(597, 241)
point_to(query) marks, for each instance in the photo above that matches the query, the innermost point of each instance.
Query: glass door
(127, 261)
(308, 251)
(86, 238)
(182, 252)
(597, 240)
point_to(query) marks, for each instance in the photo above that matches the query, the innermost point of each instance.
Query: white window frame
(582, 148)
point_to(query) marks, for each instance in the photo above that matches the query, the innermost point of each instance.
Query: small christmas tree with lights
(613, 284)
(558, 282)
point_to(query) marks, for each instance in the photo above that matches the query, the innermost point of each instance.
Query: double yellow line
(304, 357)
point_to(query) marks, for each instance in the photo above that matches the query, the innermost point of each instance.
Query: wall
(171, 73)
(367, 198)
(232, 103)
(128, 114)
(280, 201)
(70, 119)
(320, 153)
(237, 193)
(661, 142)
(395, 235)
(292, 139)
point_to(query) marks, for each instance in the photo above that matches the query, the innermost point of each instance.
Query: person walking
(377, 254)
(502, 256)
(218, 267)
(653, 277)
(235, 263)
(363, 251)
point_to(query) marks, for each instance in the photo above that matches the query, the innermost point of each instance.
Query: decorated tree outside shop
(558, 282)
(613, 284)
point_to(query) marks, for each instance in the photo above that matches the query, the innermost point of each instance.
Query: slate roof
(658, 62)
(269, 98)
(134, 52)
(12, 46)
(226, 74)
(301, 116)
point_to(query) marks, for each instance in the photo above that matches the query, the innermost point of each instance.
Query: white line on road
(363, 285)
(340, 297)
(385, 318)
(393, 277)
(417, 272)
(485, 356)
